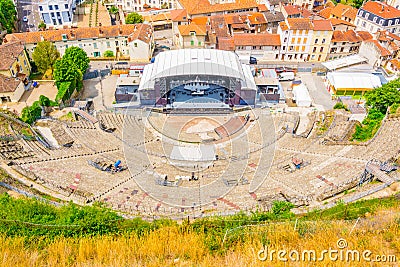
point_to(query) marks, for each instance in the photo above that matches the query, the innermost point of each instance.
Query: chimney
(120, 30)
(71, 32)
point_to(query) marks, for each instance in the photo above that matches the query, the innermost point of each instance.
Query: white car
(25, 19)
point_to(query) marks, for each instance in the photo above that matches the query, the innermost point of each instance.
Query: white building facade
(57, 13)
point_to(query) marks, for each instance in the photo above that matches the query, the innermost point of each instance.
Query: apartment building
(197, 8)
(132, 42)
(321, 39)
(376, 16)
(296, 36)
(346, 43)
(191, 36)
(56, 13)
(142, 5)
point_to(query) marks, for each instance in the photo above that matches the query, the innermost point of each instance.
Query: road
(28, 8)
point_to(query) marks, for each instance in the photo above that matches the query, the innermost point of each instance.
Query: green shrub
(340, 105)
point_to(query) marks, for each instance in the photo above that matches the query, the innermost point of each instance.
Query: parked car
(253, 60)
(284, 69)
(165, 47)
(25, 19)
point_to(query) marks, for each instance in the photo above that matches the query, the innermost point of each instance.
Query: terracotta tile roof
(179, 15)
(257, 18)
(322, 25)
(185, 30)
(234, 18)
(262, 8)
(200, 20)
(274, 17)
(261, 39)
(381, 9)
(352, 37)
(396, 63)
(8, 84)
(219, 26)
(194, 7)
(292, 10)
(158, 17)
(134, 31)
(387, 35)
(305, 13)
(383, 51)
(348, 36)
(240, 26)
(326, 12)
(226, 44)
(335, 22)
(364, 35)
(299, 24)
(341, 10)
(8, 52)
(283, 26)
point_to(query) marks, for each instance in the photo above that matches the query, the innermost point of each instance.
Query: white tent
(301, 96)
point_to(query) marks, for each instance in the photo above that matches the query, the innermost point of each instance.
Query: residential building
(376, 54)
(14, 59)
(273, 19)
(264, 46)
(197, 8)
(132, 41)
(295, 11)
(296, 36)
(57, 13)
(375, 16)
(191, 36)
(321, 39)
(342, 25)
(346, 43)
(11, 88)
(159, 21)
(307, 4)
(394, 3)
(178, 17)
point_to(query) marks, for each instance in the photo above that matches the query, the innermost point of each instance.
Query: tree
(42, 25)
(108, 53)
(113, 10)
(45, 55)
(78, 57)
(383, 97)
(66, 71)
(358, 3)
(133, 18)
(8, 15)
(32, 113)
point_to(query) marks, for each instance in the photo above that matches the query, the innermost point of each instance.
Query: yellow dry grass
(172, 246)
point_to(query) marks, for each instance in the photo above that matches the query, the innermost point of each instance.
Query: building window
(374, 20)
(390, 23)
(56, 7)
(50, 7)
(40, 8)
(135, 44)
(66, 6)
(396, 22)
(108, 44)
(381, 22)
(199, 43)
(193, 33)
(304, 40)
(314, 49)
(321, 50)
(366, 15)
(323, 40)
(192, 43)
(361, 13)
(316, 41)
(95, 45)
